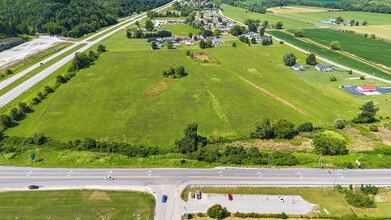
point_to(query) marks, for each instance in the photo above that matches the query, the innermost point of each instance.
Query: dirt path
(337, 51)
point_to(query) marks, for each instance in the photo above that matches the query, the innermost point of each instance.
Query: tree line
(65, 17)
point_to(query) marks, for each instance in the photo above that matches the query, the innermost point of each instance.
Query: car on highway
(33, 187)
(109, 178)
(281, 199)
(164, 199)
(199, 195)
(192, 195)
(230, 198)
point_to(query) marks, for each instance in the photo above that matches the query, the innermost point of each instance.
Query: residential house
(197, 37)
(176, 43)
(323, 68)
(298, 67)
(250, 35)
(218, 41)
(189, 42)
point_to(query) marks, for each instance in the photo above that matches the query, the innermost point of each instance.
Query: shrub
(350, 72)
(362, 77)
(188, 53)
(373, 128)
(311, 59)
(289, 59)
(263, 130)
(330, 143)
(373, 36)
(368, 113)
(369, 189)
(8, 72)
(359, 200)
(299, 33)
(335, 45)
(333, 78)
(233, 44)
(281, 42)
(305, 127)
(283, 128)
(340, 123)
(101, 48)
(217, 211)
(350, 165)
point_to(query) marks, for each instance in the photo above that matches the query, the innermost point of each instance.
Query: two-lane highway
(15, 92)
(172, 181)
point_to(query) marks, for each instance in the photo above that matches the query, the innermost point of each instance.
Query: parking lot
(251, 203)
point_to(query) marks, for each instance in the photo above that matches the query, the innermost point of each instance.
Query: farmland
(71, 204)
(331, 55)
(240, 15)
(180, 29)
(317, 17)
(382, 31)
(353, 44)
(296, 9)
(107, 102)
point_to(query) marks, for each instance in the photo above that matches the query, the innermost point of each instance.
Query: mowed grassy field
(71, 204)
(330, 201)
(106, 101)
(369, 49)
(240, 15)
(180, 29)
(296, 9)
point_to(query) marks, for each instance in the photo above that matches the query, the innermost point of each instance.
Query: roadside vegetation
(75, 204)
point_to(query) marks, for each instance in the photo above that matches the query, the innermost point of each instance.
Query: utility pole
(138, 155)
(268, 158)
(319, 160)
(6, 158)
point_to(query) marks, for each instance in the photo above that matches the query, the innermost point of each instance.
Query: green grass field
(240, 15)
(106, 102)
(71, 204)
(180, 29)
(317, 17)
(371, 50)
(328, 199)
(331, 55)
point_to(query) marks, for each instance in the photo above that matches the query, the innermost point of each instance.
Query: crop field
(382, 31)
(331, 55)
(371, 18)
(75, 204)
(296, 9)
(109, 102)
(240, 15)
(369, 49)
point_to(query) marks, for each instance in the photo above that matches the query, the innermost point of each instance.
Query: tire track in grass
(271, 95)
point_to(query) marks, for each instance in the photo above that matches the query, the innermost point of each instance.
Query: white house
(323, 68)
(189, 42)
(298, 67)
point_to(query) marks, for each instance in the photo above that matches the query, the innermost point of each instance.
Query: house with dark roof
(298, 67)
(323, 68)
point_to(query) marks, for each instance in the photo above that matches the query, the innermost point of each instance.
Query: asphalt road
(15, 92)
(172, 181)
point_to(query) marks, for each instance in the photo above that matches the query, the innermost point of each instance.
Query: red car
(230, 197)
(33, 187)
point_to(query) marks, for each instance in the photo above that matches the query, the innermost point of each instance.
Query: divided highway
(172, 181)
(9, 96)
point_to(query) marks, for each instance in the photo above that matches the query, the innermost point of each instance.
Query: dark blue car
(164, 199)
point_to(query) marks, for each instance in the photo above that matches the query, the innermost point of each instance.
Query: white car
(109, 178)
(281, 199)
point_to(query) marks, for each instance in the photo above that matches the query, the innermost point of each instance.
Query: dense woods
(72, 18)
